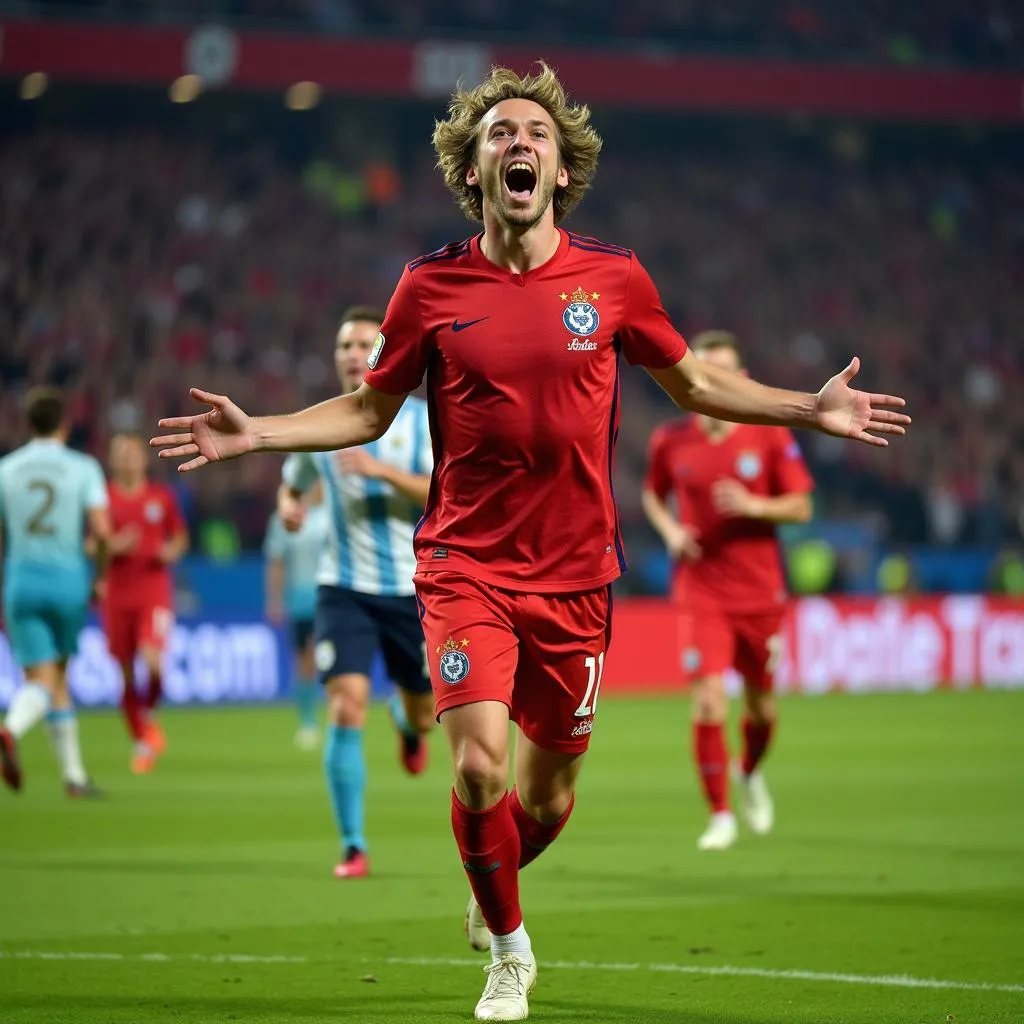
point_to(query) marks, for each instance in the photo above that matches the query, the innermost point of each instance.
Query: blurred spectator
(898, 31)
(133, 264)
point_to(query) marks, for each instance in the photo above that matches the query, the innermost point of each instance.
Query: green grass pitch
(897, 866)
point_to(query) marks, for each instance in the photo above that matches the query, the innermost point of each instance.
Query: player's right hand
(682, 543)
(225, 432)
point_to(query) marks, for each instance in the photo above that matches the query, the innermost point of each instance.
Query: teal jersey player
(46, 492)
(51, 500)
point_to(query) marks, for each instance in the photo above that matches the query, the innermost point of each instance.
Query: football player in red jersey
(519, 331)
(137, 592)
(732, 483)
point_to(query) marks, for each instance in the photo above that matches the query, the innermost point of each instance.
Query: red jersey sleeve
(658, 478)
(646, 333)
(399, 359)
(789, 473)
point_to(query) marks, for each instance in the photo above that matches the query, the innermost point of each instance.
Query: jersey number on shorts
(37, 525)
(595, 666)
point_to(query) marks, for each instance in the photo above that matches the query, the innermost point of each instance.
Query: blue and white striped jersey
(369, 544)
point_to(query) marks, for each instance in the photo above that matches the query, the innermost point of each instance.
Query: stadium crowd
(133, 264)
(901, 31)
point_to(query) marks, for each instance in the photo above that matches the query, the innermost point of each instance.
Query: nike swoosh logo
(456, 326)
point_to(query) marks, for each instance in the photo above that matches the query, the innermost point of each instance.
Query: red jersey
(140, 577)
(740, 569)
(523, 390)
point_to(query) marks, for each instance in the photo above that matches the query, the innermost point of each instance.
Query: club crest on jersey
(748, 465)
(581, 317)
(454, 663)
(153, 512)
(378, 347)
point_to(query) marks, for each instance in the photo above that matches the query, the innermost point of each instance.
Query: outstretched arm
(837, 409)
(226, 432)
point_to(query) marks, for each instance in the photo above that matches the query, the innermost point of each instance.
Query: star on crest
(451, 644)
(564, 297)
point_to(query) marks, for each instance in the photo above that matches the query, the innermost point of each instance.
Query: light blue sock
(345, 768)
(396, 708)
(306, 701)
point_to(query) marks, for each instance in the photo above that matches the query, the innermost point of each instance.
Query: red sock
(133, 711)
(712, 763)
(489, 845)
(534, 836)
(156, 690)
(756, 737)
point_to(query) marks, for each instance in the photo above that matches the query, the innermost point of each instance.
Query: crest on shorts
(324, 656)
(748, 465)
(581, 317)
(454, 663)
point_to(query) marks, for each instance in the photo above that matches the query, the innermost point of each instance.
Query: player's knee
(420, 717)
(346, 706)
(545, 802)
(480, 775)
(709, 705)
(760, 706)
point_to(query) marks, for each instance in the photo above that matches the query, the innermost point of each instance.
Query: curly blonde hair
(455, 139)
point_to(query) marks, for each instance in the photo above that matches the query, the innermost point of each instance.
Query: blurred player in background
(50, 497)
(365, 601)
(137, 591)
(519, 331)
(292, 557)
(732, 484)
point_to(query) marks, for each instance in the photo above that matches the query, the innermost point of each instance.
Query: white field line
(840, 978)
(157, 958)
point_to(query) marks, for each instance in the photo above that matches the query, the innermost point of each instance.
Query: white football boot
(510, 980)
(721, 832)
(756, 804)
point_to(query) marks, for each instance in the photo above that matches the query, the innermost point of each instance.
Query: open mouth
(520, 180)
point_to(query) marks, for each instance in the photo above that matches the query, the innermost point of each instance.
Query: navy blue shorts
(351, 628)
(302, 630)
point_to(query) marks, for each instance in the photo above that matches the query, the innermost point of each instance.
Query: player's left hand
(355, 460)
(731, 498)
(843, 412)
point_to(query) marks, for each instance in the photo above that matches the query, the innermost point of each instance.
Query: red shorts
(713, 641)
(130, 629)
(542, 655)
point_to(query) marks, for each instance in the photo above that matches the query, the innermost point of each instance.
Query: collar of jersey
(479, 260)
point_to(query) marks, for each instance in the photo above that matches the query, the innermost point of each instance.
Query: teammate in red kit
(519, 332)
(137, 592)
(732, 483)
